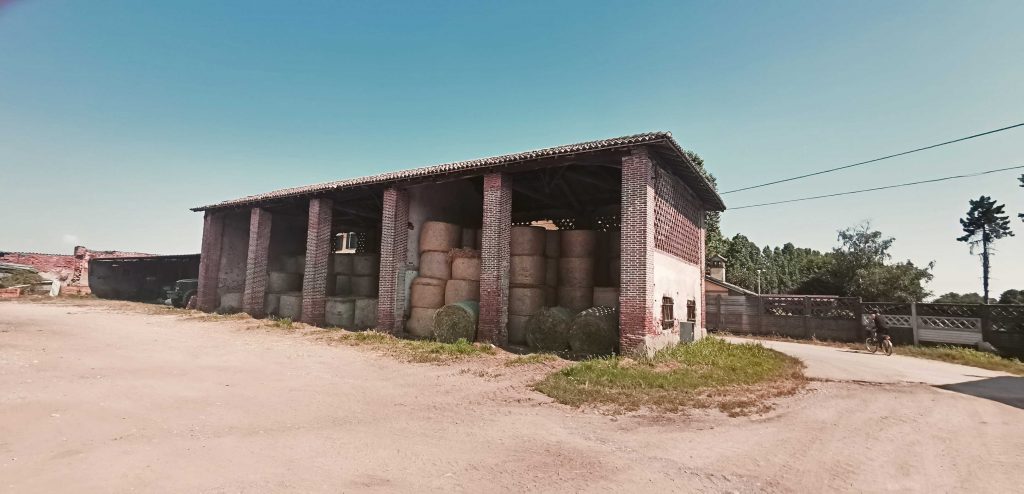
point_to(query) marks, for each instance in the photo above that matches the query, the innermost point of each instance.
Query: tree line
(861, 264)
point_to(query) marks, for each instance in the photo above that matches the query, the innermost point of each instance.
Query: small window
(668, 318)
(353, 240)
(691, 310)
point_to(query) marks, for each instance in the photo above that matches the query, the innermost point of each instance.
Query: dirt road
(94, 400)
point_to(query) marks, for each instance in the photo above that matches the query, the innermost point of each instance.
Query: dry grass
(531, 359)
(411, 350)
(736, 379)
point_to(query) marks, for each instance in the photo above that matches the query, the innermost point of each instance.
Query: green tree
(985, 223)
(714, 242)
(957, 298)
(1012, 296)
(1021, 215)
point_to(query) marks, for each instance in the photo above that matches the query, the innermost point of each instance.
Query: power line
(879, 188)
(830, 170)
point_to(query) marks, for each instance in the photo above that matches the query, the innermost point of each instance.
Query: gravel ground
(98, 399)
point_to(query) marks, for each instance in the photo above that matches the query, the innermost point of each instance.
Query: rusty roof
(702, 186)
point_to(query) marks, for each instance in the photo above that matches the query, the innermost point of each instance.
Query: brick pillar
(209, 262)
(255, 294)
(318, 255)
(394, 248)
(494, 259)
(636, 310)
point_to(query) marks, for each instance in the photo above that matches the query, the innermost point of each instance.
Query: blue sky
(117, 116)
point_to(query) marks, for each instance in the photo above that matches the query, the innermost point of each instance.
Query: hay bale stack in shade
(282, 282)
(578, 243)
(523, 302)
(343, 284)
(461, 290)
(272, 303)
(548, 329)
(435, 265)
(340, 312)
(465, 264)
(469, 239)
(365, 264)
(439, 236)
(290, 306)
(365, 286)
(230, 302)
(517, 329)
(594, 331)
(527, 241)
(576, 269)
(615, 271)
(342, 263)
(456, 321)
(576, 298)
(576, 272)
(365, 313)
(551, 272)
(527, 270)
(427, 293)
(294, 264)
(552, 244)
(606, 296)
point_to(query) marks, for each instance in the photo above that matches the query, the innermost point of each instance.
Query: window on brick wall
(668, 318)
(691, 310)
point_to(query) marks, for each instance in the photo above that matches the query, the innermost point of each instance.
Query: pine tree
(985, 223)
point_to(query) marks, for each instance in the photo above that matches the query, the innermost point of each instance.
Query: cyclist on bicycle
(881, 329)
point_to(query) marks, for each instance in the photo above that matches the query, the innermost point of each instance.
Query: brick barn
(280, 252)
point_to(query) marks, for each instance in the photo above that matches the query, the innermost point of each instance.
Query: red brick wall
(678, 216)
(495, 259)
(207, 298)
(318, 251)
(636, 318)
(254, 295)
(393, 257)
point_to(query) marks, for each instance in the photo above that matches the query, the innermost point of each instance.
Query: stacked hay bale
(576, 269)
(230, 302)
(464, 284)
(527, 276)
(551, 253)
(606, 293)
(342, 265)
(340, 311)
(290, 305)
(286, 280)
(365, 275)
(427, 293)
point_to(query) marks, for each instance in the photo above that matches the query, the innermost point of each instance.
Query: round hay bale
(552, 244)
(594, 331)
(548, 329)
(435, 265)
(343, 284)
(527, 270)
(456, 291)
(615, 271)
(577, 272)
(427, 293)
(272, 304)
(294, 264)
(575, 298)
(440, 236)
(526, 241)
(517, 329)
(230, 302)
(340, 311)
(606, 296)
(365, 313)
(364, 286)
(466, 268)
(365, 264)
(468, 238)
(281, 282)
(551, 271)
(457, 320)
(550, 296)
(578, 243)
(290, 306)
(343, 263)
(525, 300)
(421, 322)
(614, 243)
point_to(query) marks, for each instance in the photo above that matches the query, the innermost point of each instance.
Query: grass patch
(281, 322)
(417, 350)
(964, 356)
(531, 359)
(737, 379)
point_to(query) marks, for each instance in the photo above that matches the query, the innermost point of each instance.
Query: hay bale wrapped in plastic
(548, 330)
(594, 331)
(455, 321)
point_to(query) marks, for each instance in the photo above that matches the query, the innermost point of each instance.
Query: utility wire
(830, 170)
(879, 188)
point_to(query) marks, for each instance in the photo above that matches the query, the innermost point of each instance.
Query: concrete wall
(234, 252)
(71, 270)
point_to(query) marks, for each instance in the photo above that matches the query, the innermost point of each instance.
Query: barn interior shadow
(1008, 390)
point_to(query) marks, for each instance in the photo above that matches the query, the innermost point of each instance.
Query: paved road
(842, 364)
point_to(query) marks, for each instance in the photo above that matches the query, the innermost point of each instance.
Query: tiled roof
(708, 193)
